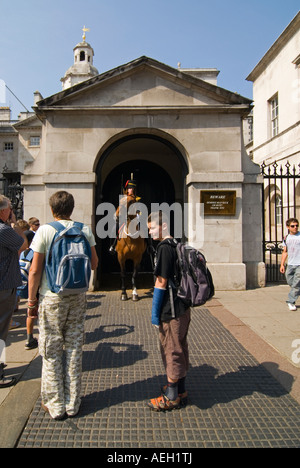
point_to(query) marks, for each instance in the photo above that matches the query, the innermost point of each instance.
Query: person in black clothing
(171, 315)
(12, 242)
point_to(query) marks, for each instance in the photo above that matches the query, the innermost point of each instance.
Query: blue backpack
(68, 261)
(25, 261)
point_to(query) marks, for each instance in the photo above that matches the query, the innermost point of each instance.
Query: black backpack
(195, 283)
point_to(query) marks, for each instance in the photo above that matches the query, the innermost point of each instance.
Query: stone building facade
(276, 95)
(179, 134)
(9, 143)
(276, 136)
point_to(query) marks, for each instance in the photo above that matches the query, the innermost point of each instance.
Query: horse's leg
(123, 281)
(135, 296)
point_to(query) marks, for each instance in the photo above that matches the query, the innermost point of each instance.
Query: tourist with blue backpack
(25, 262)
(64, 255)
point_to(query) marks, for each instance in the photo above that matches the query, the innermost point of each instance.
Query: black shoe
(7, 382)
(31, 344)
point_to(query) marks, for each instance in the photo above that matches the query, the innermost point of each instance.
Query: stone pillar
(232, 244)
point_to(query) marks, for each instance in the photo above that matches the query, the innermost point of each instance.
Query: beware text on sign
(219, 202)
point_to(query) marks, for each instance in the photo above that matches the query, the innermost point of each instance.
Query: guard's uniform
(130, 184)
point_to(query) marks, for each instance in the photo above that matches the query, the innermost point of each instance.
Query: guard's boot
(112, 249)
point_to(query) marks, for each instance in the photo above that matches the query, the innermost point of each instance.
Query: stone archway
(160, 172)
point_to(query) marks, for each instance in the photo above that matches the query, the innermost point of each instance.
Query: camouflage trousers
(61, 337)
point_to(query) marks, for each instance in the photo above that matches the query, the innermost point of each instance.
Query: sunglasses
(294, 225)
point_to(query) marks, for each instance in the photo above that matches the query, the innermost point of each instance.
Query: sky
(38, 36)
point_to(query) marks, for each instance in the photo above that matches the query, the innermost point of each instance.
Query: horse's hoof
(124, 297)
(135, 297)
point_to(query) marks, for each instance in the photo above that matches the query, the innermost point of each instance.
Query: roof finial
(84, 29)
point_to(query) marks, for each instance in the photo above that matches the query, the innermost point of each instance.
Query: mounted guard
(128, 199)
(130, 243)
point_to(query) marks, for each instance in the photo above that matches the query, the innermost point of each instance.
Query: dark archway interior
(159, 170)
(154, 185)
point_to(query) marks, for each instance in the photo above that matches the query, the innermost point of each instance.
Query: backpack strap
(60, 227)
(57, 226)
(29, 255)
(79, 225)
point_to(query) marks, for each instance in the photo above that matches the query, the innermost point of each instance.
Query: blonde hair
(22, 224)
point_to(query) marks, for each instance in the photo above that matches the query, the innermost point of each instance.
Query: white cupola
(83, 68)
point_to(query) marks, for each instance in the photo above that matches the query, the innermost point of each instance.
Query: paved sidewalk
(266, 313)
(243, 383)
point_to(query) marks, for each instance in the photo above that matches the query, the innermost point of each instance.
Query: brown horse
(130, 246)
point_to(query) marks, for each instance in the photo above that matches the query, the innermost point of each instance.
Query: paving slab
(240, 387)
(265, 312)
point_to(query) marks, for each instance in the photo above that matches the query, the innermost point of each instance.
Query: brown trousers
(174, 346)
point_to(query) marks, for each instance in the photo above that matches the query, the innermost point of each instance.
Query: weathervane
(84, 29)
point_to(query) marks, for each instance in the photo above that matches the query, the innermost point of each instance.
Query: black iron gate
(12, 189)
(281, 201)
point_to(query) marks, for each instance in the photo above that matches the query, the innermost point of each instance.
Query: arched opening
(273, 212)
(82, 56)
(159, 170)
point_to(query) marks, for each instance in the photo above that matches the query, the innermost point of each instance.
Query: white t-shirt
(42, 242)
(292, 243)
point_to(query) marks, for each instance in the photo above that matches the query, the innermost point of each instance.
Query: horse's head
(126, 202)
(131, 199)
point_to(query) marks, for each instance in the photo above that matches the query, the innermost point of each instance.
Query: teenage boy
(291, 252)
(171, 315)
(61, 319)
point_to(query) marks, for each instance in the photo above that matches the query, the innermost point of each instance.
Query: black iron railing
(281, 201)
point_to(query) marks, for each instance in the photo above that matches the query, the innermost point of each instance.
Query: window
(274, 115)
(82, 56)
(278, 209)
(250, 128)
(35, 141)
(8, 146)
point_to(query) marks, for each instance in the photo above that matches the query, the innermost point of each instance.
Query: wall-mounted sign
(218, 202)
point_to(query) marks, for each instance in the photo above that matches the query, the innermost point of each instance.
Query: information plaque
(218, 202)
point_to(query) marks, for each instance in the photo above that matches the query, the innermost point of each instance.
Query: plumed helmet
(130, 184)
